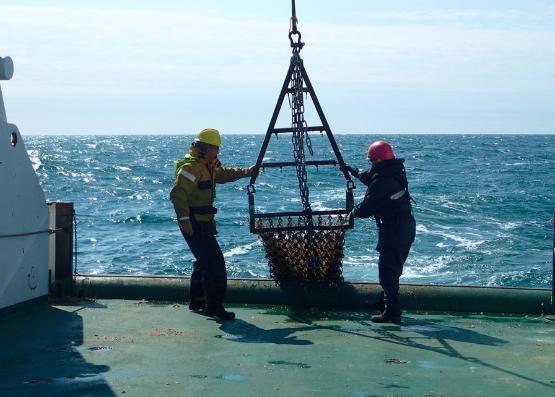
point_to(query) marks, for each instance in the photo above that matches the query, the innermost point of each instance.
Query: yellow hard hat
(209, 136)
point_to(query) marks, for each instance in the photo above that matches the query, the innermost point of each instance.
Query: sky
(380, 67)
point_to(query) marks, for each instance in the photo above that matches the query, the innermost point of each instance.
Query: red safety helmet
(380, 150)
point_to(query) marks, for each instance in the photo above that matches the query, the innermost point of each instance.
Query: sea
(484, 203)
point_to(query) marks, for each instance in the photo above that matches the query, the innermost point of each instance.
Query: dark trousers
(209, 277)
(396, 239)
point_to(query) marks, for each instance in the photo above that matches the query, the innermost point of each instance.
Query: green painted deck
(137, 348)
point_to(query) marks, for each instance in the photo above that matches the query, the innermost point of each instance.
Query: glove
(216, 163)
(354, 171)
(253, 170)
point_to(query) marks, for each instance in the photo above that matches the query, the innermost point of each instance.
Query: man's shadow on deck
(41, 353)
(245, 332)
(443, 334)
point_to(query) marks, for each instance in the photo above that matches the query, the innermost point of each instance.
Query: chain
(300, 133)
(298, 124)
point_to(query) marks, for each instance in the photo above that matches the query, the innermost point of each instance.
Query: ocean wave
(490, 228)
(507, 225)
(426, 266)
(34, 156)
(139, 196)
(457, 206)
(319, 206)
(464, 241)
(514, 278)
(242, 249)
(361, 260)
(144, 218)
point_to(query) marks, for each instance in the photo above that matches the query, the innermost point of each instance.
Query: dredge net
(305, 255)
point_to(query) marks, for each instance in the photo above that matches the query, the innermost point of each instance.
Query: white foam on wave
(428, 209)
(242, 249)
(336, 194)
(462, 241)
(503, 225)
(319, 206)
(513, 276)
(509, 225)
(98, 268)
(35, 158)
(140, 196)
(458, 207)
(421, 228)
(361, 260)
(426, 266)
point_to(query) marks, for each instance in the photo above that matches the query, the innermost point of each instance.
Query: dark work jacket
(388, 200)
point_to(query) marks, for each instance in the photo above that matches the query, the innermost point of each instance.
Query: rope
(75, 272)
(49, 231)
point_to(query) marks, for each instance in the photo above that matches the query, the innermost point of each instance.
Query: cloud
(166, 70)
(68, 51)
(94, 50)
(468, 16)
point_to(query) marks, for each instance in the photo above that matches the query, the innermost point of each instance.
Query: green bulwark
(326, 295)
(134, 336)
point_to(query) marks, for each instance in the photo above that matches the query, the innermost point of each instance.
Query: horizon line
(313, 133)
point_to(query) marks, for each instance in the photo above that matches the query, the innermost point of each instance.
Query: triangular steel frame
(324, 127)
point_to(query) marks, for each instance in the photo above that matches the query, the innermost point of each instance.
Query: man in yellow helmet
(193, 197)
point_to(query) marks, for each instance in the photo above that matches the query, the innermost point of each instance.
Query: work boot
(219, 312)
(378, 306)
(386, 318)
(196, 306)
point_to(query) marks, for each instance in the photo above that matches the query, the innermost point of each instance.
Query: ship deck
(141, 348)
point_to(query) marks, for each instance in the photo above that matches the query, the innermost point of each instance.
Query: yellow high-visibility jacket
(194, 190)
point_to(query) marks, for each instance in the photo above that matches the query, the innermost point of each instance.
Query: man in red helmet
(388, 200)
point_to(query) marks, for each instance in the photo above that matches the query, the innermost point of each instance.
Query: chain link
(299, 126)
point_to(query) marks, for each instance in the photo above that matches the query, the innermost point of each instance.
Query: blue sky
(377, 66)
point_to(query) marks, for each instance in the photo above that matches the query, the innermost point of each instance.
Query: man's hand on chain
(253, 170)
(354, 171)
